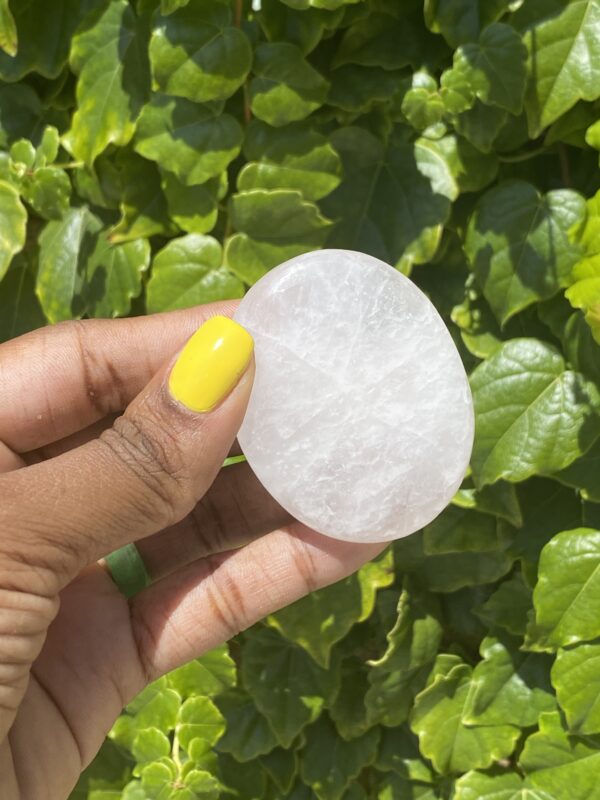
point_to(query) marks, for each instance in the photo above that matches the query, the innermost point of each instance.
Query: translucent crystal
(360, 421)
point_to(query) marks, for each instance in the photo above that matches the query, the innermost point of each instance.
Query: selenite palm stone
(360, 421)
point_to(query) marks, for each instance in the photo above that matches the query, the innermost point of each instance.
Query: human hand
(78, 482)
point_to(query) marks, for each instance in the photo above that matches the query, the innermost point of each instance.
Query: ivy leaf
(294, 157)
(501, 500)
(113, 276)
(285, 87)
(576, 678)
(194, 208)
(444, 738)
(13, 222)
(20, 310)
(20, 110)
(44, 32)
(457, 529)
(493, 69)
(113, 81)
(329, 763)
(188, 271)
(272, 226)
(460, 21)
(196, 53)
(386, 40)
(144, 210)
(399, 752)
(481, 125)
(48, 192)
(322, 618)
(349, 712)
(531, 414)
(150, 744)
(211, 674)
(564, 51)
(190, 140)
(567, 594)
(199, 718)
(561, 765)
(508, 606)
(508, 687)
(289, 688)
(585, 291)
(281, 765)
(499, 786)
(283, 23)
(64, 247)
(584, 474)
(449, 572)
(518, 244)
(8, 30)
(403, 669)
(393, 200)
(247, 733)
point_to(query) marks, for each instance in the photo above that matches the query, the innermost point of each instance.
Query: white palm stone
(360, 421)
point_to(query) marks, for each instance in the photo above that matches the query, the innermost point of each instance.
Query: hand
(77, 482)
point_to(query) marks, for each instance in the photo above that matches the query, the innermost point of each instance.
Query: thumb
(146, 472)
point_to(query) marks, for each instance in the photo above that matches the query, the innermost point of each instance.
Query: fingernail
(211, 364)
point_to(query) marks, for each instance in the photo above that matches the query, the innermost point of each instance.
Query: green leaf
(448, 572)
(444, 738)
(293, 157)
(188, 271)
(498, 786)
(517, 242)
(289, 688)
(584, 474)
(585, 291)
(199, 718)
(108, 56)
(272, 226)
(281, 765)
(508, 606)
(402, 671)
(305, 30)
(150, 744)
(531, 414)
(113, 276)
(143, 204)
(245, 780)
(212, 673)
(20, 110)
(460, 21)
(48, 191)
(576, 678)
(13, 222)
(322, 618)
(357, 88)
(393, 200)
(349, 711)
(567, 594)
(481, 124)
(457, 529)
(20, 310)
(399, 752)
(564, 50)
(493, 69)
(64, 247)
(386, 40)
(501, 500)
(44, 32)
(561, 765)
(190, 140)
(285, 87)
(329, 763)
(8, 30)
(574, 334)
(508, 687)
(194, 208)
(247, 734)
(196, 53)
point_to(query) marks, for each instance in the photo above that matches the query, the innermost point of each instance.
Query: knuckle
(225, 597)
(150, 455)
(104, 388)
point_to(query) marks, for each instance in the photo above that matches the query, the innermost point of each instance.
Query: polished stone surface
(360, 421)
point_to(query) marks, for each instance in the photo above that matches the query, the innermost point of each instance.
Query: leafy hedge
(162, 153)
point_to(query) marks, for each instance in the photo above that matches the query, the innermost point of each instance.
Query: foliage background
(156, 154)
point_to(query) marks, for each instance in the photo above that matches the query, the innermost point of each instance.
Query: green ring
(128, 570)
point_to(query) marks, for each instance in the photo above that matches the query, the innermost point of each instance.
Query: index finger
(59, 379)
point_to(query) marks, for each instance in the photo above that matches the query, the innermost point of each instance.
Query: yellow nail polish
(211, 364)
